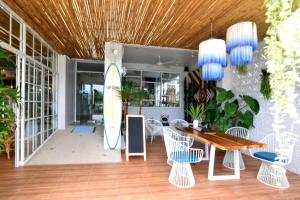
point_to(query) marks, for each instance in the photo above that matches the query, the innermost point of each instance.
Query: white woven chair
(274, 158)
(178, 137)
(181, 155)
(179, 123)
(154, 128)
(228, 160)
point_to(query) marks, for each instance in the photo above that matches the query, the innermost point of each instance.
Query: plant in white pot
(195, 112)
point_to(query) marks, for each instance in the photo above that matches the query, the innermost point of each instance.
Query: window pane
(133, 73)
(15, 28)
(29, 43)
(37, 49)
(15, 42)
(136, 81)
(4, 26)
(4, 36)
(4, 22)
(151, 76)
(170, 93)
(170, 76)
(153, 90)
(44, 53)
(50, 59)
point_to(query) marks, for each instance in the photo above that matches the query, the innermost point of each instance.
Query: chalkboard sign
(135, 136)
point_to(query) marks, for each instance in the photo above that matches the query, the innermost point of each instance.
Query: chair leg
(7, 149)
(152, 137)
(273, 175)
(182, 175)
(169, 162)
(228, 160)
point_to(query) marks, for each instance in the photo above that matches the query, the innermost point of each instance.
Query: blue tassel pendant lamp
(212, 59)
(241, 39)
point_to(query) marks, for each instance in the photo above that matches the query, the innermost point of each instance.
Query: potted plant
(227, 111)
(195, 112)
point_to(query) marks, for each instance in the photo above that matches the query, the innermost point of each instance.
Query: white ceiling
(149, 55)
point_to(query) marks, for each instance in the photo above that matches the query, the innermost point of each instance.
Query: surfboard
(112, 107)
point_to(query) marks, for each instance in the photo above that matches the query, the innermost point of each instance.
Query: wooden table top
(222, 141)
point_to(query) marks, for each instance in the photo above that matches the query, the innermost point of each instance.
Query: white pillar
(61, 93)
(113, 55)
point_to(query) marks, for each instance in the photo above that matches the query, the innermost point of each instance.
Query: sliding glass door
(89, 97)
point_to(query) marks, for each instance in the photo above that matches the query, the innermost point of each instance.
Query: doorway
(89, 97)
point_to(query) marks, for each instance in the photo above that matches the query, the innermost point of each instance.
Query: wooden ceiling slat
(80, 28)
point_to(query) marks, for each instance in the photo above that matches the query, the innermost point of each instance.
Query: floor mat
(84, 129)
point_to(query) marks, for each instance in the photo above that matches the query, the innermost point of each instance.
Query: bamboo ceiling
(79, 28)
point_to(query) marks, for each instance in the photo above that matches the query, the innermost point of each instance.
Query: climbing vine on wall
(283, 58)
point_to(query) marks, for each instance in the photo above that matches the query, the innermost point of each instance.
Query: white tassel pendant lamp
(241, 39)
(212, 59)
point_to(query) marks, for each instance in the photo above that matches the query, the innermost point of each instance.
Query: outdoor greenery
(8, 97)
(265, 87)
(195, 111)
(227, 111)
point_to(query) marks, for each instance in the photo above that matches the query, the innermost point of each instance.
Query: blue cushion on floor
(269, 156)
(184, 157)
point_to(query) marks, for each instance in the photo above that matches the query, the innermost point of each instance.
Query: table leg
(223, 177)
(206, 152)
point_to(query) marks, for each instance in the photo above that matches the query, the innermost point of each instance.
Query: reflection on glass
(170, 93)
(15, 26)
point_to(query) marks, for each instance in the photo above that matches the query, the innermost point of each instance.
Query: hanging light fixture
(241, 39)
(212, 58)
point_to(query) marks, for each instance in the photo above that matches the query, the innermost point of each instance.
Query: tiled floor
(70, 148)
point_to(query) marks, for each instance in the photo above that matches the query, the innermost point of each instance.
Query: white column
(61, 93)
(113, 55)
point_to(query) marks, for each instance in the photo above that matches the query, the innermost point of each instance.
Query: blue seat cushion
(184, 157)
(268, 156)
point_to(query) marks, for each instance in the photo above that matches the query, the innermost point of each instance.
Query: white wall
(250, 84)
(155, 112)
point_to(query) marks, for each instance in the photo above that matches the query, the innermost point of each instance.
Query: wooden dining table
(224, 142)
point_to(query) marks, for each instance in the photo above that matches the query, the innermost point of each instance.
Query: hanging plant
(265, 87)
(243, 69)
(282, 58)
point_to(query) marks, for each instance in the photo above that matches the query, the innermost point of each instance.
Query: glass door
(89, 97)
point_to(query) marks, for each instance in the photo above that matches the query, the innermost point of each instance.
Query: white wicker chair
(274, 158)
(181, 155)
(154, 128)
(228, 160)
(179, 123)
(178, 137)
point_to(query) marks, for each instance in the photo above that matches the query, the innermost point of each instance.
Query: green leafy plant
(139, 96)
(8, 97)
(130, 94)
(195, 111)
(126, 93)
(265, 87)
(227, 111)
